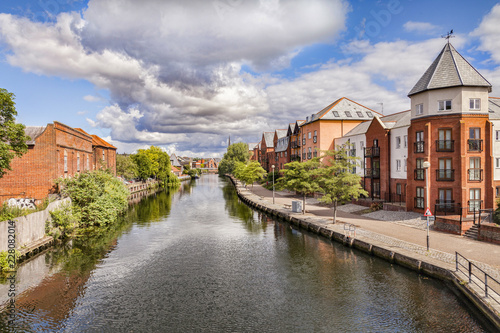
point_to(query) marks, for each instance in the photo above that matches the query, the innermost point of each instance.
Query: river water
(198, 260)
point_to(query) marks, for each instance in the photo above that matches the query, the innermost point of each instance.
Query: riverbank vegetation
(249, 173)
(237, 152)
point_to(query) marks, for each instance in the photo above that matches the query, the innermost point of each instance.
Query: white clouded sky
(186, 75)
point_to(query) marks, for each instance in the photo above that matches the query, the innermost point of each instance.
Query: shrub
(63, 222)
(4, 261)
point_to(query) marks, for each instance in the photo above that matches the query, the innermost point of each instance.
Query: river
(198, 260)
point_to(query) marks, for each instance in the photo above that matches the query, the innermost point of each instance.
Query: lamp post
(273, 166)
(426, 166)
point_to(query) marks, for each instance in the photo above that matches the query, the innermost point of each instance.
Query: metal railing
(446, 207)
(475, 145)
(475, 174)
(445, 145)
(419, 146)
(476, 276)
(372, 173)
(399, 198)
(445, 175)
(474, 205)
(372, 151)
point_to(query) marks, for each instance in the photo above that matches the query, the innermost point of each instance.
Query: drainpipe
(389, 161)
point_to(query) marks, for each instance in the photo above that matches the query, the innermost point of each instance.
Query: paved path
(398, 235)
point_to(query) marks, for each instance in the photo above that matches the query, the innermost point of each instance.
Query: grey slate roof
(253, 145)
(281, 133)
(449, 69)
(361, 128)
(395, 120)
(33, 132)
(269, 139)
(342, 109)
(494, 108)
(174, 161)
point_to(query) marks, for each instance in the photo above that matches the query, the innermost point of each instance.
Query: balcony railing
(419, 203)
(315, 139)
(475, 145)
(475, 174)
(475, 205)
(445, 175)
(372, 172)
(445, 145)
(419, 146)
(419, 174)
(445, 206)
(372, 151)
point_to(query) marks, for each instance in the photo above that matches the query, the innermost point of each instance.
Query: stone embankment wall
(489, 232)
(29, 228)
(408, 259)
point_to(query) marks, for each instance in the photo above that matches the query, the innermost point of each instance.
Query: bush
(63, 222)
(98, 197)
(4, 261)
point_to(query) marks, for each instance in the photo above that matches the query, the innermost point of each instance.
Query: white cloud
(91, 98)
(421, 27)
(489, 33)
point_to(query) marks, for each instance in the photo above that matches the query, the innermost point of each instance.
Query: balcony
(475, 145)
(372, 151)
(419, 174)
(475, 205)
(445, 145)
(372, 173)
(447, 175)
(419, 146)
(419, 203)
(445, 206)
(315, 139)
(475, 174)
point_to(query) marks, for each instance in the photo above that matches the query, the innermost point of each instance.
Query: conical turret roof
(449, 69)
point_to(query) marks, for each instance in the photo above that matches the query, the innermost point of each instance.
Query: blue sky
(186, 75)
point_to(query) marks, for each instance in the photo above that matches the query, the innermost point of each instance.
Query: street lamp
(426, 166)
(273, 166)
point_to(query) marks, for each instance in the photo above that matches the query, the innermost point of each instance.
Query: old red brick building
(54, 151)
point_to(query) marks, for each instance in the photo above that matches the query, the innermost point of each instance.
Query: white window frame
(309, 135)
(497, 162)
(475, 104)
(443, 105)
(398, 165)
(405, 141)
(497, 135)
(398, 142)
(419, 109)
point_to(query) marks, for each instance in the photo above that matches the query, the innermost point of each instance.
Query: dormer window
(444, 105)
(360, 114)
(335, 113)
(475, 104)
(419, 109)
(369, 114)
(348, 114)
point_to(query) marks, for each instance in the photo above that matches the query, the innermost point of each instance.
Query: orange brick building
(54, 151)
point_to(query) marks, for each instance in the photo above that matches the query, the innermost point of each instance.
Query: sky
(186, 75)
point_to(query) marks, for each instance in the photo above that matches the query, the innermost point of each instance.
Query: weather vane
(448, 35)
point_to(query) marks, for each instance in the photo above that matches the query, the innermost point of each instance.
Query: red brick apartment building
(54, 151)
(451, 125)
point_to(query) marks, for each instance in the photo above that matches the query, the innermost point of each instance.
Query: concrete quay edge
(414, 261)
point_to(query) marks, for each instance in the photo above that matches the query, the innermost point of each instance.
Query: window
(285, 153)
(445, 201)
(419, 109)
(65, 161)
(103, 157)
(497, 191)
(444, 142)
(398, 165)
(475, 104)
(309, 153)
(315, 137)
(475, 142)
(444, 105)
(419, 169)
(360, 114)
(497, 162)
(475, 171)
(335, 113)
(405, 164)
(309, 135)
(406, 141)
(474, 199)
(445, 172)
(398, 188)
(348, 114)
(497, 135)
(88, 168)
(78, 162)
(419, 198)
(369, 114)
(419, 143)
(398, 142)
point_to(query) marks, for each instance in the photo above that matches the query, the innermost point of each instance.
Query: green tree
(126, 167)
(143, 164)
(249, 173)
(301, 177)
(237, 152)
(12, 136)
(337, 178)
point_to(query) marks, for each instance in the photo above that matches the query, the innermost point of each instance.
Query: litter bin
(297, 206)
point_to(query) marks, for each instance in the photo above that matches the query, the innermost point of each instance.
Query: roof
(343, 109)
(174, 161)
(494, 108)
(281, 133)
(449, 69)
(282, 144)
(33, 132)
(361, 128)
(395, 120)
(268, 139)
(97, 141)
(253, 145)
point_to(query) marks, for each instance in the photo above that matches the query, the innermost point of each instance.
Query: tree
(301, 177)
(143, 164)
(237, 152)
(249, 173)
(337, 179)
(125, 166)
(12, 136)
